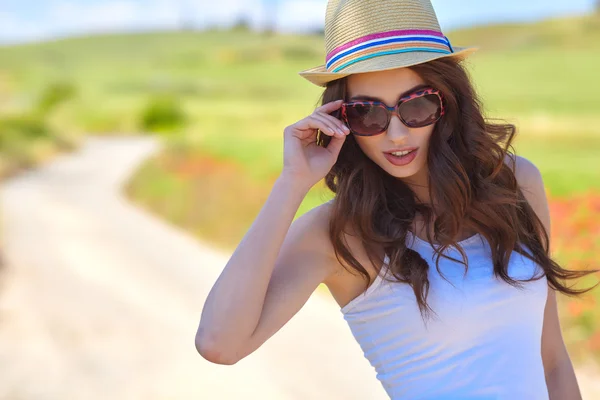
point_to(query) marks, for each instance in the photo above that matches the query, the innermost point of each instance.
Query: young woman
(436, 244)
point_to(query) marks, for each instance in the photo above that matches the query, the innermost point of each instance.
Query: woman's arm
(269, 277)
(560, 375)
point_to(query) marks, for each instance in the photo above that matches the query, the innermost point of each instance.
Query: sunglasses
(416, 110)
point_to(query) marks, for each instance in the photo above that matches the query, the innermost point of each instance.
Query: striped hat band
(382, 43)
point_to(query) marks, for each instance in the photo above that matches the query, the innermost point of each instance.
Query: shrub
(25, 126)
(162, 113)
(53, 95)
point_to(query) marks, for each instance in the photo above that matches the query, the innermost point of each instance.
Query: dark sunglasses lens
(421, 111)
(366, 119)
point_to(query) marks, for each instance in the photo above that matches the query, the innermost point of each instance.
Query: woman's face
(389, 86)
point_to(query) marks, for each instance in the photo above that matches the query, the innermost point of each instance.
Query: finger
(306, 124)
(331, 126)
(338, 123)
(307, 128)
(331, 106)
(335, 145)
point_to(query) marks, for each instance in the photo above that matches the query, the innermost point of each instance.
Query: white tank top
(484, 344)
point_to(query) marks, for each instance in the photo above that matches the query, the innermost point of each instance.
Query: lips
(402, 160)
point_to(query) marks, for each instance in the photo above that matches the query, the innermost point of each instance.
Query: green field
(241, 89)
(233, 93)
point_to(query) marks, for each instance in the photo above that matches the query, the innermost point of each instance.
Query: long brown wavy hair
(470, 185)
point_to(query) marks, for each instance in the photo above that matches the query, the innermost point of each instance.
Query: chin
(402, 172)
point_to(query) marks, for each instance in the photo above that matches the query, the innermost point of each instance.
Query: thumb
(335, 145)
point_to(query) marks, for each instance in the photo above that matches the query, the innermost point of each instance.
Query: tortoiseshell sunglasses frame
(395, 109)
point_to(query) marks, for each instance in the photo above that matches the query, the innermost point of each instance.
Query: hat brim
(319, 75)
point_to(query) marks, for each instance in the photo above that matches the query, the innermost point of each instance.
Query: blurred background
(178, 108)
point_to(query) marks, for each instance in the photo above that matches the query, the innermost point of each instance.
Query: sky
(32, 20)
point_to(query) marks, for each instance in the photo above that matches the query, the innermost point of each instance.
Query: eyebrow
(372, 98)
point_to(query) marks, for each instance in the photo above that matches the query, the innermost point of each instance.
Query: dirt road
(101, 300)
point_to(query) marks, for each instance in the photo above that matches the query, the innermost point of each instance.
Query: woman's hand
(305, 161)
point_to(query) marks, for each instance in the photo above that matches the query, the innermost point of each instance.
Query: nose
(397, 131)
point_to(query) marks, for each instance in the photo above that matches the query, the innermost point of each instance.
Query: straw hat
(375, 35)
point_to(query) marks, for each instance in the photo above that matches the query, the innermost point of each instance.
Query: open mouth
(401, 157)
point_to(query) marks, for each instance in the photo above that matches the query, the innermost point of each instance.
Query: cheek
(423, 139)
(425, 135)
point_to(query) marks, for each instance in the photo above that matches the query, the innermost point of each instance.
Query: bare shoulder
(531, 183)
(316, 219)
(313, 226)
(344, 283)
(313, 233)
(526, 172)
